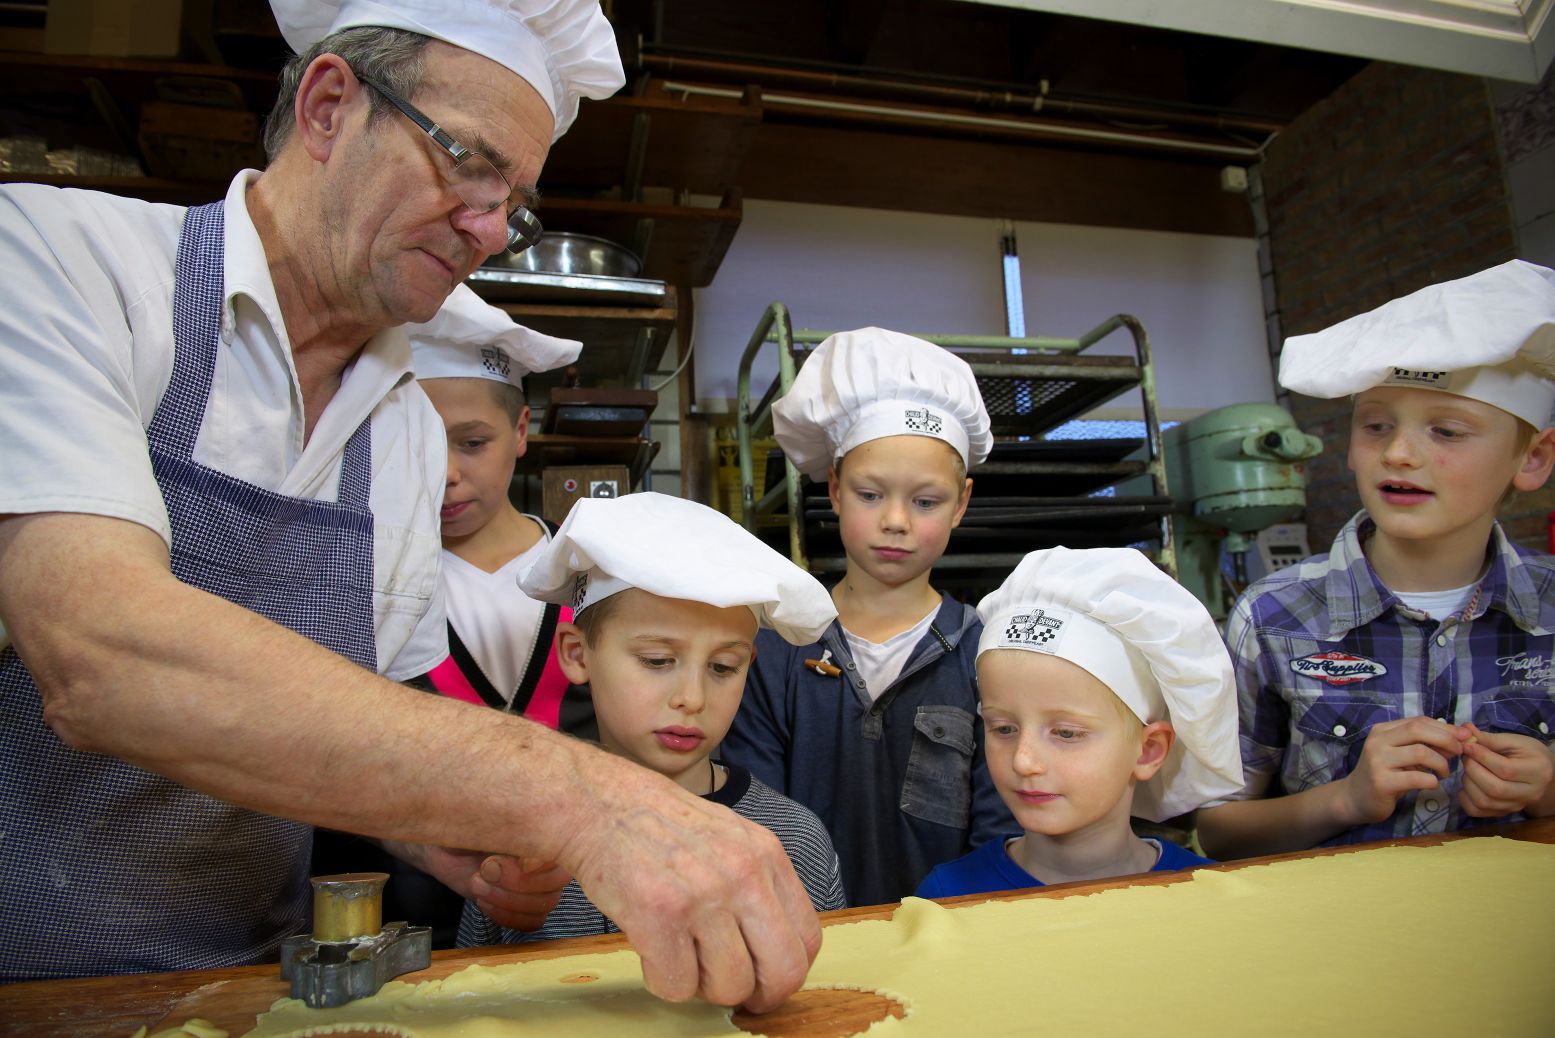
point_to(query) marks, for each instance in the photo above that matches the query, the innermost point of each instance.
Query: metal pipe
(1040, 101)
(1167, 558)
(776, 313)
(1020, 127)
(812, 336)
(775, 316)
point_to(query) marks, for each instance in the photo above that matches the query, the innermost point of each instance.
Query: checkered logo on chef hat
(495, 360)
(1036, 630)
(922, 420)
(1406, 377)
(580, 588)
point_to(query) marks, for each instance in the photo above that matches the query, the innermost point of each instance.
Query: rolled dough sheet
(1457, 938)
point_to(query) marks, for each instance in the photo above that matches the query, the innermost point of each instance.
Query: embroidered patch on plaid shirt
(1338, 668)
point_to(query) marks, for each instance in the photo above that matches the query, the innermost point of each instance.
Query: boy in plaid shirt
(1405, 682)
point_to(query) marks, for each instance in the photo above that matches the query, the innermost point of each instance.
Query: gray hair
(392, 57)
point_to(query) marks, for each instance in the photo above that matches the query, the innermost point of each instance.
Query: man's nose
(489, 229)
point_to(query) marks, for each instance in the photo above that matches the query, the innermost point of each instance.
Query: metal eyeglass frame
(524, 230)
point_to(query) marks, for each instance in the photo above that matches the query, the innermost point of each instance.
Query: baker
(219, 493)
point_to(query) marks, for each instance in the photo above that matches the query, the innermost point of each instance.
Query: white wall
(837, 268)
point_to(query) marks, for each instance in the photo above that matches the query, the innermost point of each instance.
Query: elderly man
(219, 490)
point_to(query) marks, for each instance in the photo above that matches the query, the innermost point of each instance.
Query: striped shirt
(1324, 650)
(801, 833)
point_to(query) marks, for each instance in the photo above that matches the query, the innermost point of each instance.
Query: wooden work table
(233, 998)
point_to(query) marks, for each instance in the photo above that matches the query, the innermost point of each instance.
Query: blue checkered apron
(105, 868)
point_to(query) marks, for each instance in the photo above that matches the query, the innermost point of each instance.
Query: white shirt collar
(383, 364)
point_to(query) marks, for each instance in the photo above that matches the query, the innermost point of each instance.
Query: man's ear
(1537, 461)
(324, 92)
(1155, 742)
(572, 653)
(833, 489)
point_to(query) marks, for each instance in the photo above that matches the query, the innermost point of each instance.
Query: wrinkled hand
(517, 893)
(1503, 773)
(709, 901)
(1398, 756)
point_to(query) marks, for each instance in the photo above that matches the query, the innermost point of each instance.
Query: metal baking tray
(523, 286)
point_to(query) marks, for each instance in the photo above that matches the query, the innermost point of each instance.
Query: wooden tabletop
(113, 1007)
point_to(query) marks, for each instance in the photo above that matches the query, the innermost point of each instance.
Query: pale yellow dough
(1456, 939)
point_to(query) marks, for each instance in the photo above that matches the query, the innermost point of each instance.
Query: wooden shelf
(131, 81)
(614, 354)
(686, 143)
(152, 189)
(692, 145)
(548, 450)
(685, 244)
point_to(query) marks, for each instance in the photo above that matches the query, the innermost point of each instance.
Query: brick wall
(1395, 181)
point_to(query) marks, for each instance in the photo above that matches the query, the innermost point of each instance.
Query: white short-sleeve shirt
(497, 622)
(86, 352)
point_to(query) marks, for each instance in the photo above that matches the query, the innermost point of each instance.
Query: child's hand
(1398, 756)
(513, 892)
(518, 893)
(1503, 773)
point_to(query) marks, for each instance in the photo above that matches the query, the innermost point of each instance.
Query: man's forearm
(134, 664)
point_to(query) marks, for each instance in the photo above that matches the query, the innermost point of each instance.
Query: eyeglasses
(478, 183)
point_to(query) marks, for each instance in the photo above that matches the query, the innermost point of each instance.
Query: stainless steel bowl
(562, 252)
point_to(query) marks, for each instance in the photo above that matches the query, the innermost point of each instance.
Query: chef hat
(565, 49)
(1489, 337)
(675, 548)
(470, 338)
(871, 383)
(1111, 612)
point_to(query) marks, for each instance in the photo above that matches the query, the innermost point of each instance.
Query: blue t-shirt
(989, 869)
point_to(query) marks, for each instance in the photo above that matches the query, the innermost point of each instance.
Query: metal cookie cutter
(350, 952)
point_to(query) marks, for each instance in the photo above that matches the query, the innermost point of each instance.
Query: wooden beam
(871, 169)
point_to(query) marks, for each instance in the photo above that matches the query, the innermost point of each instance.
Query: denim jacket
(900, 781)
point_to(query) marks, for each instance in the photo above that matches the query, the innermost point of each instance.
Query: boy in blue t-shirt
(1106, 693)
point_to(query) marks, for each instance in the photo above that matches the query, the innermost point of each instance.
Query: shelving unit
(596, 180)
(1031, 493)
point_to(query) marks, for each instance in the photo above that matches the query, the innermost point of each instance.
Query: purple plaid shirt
(1323, 651)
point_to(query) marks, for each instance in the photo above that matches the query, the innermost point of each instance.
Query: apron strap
(175, 424)
(198, 296)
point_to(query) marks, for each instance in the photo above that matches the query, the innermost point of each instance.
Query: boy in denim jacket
(875, 726)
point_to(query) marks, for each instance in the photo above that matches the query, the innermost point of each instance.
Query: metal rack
(1027, 394)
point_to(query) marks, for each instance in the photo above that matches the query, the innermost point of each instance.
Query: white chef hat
(675, 548)
(470, 338)
(867, 384)
(1111, 612)
(1489, 337)
(565, 49)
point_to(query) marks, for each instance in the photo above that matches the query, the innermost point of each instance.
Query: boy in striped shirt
(667, 596)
